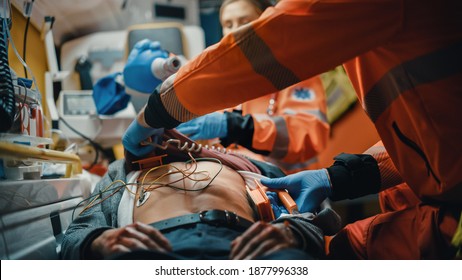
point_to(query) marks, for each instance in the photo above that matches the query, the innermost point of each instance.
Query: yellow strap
(457, 239)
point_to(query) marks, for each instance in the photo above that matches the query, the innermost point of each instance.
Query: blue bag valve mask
(138, 73)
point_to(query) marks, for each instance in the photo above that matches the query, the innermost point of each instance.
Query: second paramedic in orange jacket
(288, 128)
(404, 58)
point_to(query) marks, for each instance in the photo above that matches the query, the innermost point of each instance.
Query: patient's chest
(180, 189)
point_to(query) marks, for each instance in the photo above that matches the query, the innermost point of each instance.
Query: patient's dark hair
(259, 4)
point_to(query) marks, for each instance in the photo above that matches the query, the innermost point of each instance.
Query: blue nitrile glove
(135, 134)
(205, 127)
(138, 73)
(278, 208)
(308, 188)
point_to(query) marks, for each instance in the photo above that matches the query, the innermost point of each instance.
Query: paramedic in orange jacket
(288, 128)
(404, 58)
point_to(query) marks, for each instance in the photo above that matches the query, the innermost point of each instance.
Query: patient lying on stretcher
(189, 206)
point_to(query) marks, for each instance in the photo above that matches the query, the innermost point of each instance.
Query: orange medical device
(261, 203)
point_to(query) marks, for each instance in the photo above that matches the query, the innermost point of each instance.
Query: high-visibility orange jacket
(288, 128)
(404, 58)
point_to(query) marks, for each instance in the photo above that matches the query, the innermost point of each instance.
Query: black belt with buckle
(213, 217)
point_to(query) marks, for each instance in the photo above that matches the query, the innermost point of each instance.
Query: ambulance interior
(57, 146)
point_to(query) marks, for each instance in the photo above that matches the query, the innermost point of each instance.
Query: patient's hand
(136, 236)
(262, 239)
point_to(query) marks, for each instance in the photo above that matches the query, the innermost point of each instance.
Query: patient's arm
(89, 224)
(136, 236)
(262, 239)
(304, 231)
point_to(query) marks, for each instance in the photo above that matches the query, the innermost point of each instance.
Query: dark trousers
(206, 242)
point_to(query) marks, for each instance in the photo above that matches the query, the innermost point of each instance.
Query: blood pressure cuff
(354, 176)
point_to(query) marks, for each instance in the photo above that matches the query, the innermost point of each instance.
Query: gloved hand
(308, 188)
(205, 127)
(138, 73)
(278, 208)
(135, 134)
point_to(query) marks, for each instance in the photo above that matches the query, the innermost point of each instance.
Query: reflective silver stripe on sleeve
(262, 59)
(174, 107)
(425, 69)
(281, 144)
